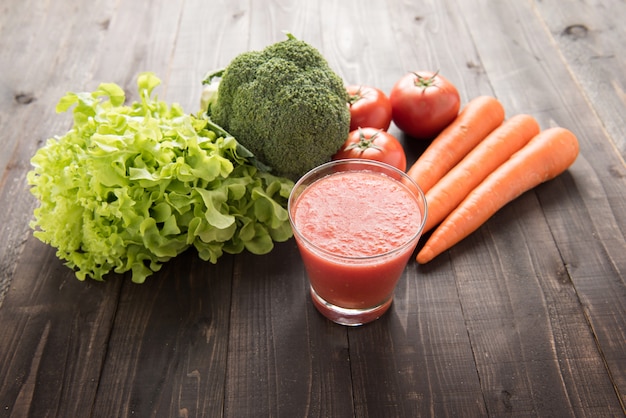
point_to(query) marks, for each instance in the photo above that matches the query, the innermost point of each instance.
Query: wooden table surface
(526, 317)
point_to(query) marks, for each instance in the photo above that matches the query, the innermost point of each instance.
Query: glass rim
(417, 192)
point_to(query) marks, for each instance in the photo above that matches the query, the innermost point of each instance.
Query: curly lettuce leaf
(129, 187)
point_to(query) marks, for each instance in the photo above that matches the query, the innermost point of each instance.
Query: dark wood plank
(39, 55)
(431, 36)
(55, 328)
(525, 317)
(284, 358)
(53, 339)
(417, 360)
(532, 343)
(543, 82)
(140, 36)
(590, 37)
(167, 351)
(220, 32)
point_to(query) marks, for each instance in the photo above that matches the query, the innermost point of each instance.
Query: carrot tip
(425, 255)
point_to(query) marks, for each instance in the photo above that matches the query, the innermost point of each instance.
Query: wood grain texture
(526, 317)
(588, 36)
(40, 52)
(53, 339)
(167, 353)
(592, 165)
(284, 356)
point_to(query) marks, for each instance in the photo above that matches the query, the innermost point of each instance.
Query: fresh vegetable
(477, 119)
(128, 187)
(488, 155)
(424, 103)
(373, 144)
(546, 156)
(369, 107)
(285, 104)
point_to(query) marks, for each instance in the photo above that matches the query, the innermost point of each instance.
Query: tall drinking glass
(356, 223)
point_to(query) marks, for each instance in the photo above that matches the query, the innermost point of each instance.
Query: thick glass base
(349, 317)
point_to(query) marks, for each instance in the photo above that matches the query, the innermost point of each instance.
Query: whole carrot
(546, 156)
(488, 155)
(475, 121)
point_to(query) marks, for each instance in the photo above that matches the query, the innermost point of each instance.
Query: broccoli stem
(208, 78)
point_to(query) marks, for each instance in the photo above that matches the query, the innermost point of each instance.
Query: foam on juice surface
(357, 214)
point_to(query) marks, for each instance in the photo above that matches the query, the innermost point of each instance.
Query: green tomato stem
(353, 98)
(425, 82)
(364, 143)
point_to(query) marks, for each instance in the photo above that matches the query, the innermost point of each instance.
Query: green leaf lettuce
(129, 187)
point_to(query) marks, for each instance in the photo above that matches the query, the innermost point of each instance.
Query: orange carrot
(477, 119)
(546, 156)
(488, 155)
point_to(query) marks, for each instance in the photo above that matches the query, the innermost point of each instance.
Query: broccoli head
(285, 105)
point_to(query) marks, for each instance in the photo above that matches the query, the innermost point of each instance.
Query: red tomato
(369, 108)
(373, 144)
(424, 103)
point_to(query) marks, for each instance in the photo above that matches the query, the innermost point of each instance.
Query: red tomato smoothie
(356, 231)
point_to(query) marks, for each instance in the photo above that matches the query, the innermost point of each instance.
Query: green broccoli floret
(284, 104)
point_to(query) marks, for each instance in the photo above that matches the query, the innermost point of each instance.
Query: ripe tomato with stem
(369, 107)
(423, 103)
(373, 144)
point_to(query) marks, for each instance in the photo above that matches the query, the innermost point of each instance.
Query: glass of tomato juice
(356, 223)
